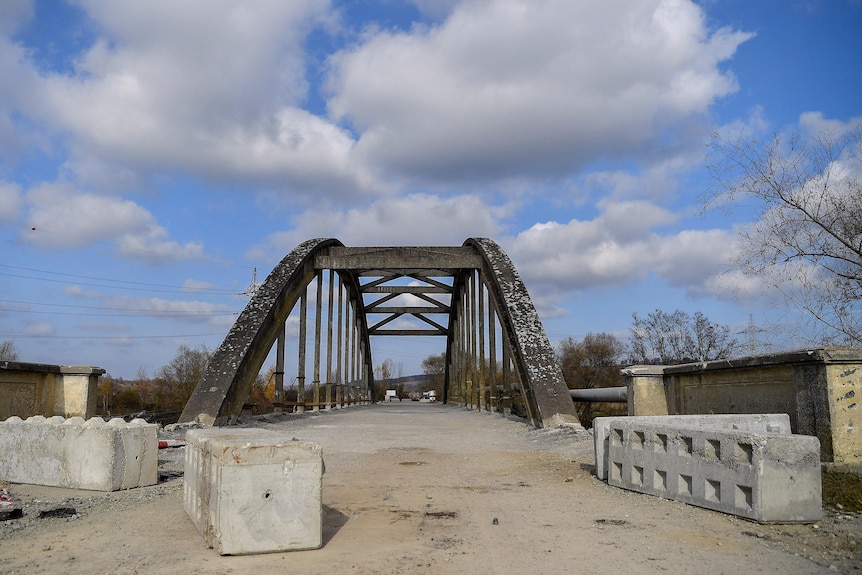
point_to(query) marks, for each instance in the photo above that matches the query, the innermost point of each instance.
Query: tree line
(595, 361)
(168, 390)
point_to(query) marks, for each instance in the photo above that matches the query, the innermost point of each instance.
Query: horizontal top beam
(398, 258)
(406, 289)
(403, 310)
(400, 332)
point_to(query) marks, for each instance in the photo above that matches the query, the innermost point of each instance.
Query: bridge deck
(415, 488)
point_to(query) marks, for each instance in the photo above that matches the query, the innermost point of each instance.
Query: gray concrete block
(760, 476)
(765, 423)
(253, 490)
(78, 454)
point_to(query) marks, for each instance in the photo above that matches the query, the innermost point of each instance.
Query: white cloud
(14, 13)
(517, 87)
(39, 329)
(11, 202)
(435, 8)
(815, 123)
(65, 218)
(193, 285)
(212, 88)
(622, 245)
(416, 219)
(20, 110)
(191, 311)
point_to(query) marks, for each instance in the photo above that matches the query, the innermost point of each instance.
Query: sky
(154, 154)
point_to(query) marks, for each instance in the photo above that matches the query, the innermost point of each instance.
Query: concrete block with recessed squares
(74, 453)
(253, 490)
(765, 477)
(763, 422)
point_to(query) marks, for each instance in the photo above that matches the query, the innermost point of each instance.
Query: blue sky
(153, 154)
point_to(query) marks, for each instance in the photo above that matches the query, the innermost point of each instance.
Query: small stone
(495, 521)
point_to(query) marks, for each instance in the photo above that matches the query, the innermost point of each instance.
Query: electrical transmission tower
(253, 286)
(752, 343)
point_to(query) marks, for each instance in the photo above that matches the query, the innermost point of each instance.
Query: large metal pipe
(607, 394)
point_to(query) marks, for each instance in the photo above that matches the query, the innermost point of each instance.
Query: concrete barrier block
(760, 476)
(79, 454)
(764, 423)
(253, 490)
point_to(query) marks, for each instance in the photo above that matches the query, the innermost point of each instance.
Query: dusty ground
(427, 488)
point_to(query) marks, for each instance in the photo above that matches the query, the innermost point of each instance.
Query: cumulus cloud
(13, 13)
(622, 245)
(416, 219)
(213, 89)
(515, 87)
(11, 202)
(65, 218)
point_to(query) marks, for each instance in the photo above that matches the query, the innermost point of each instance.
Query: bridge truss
(497, 353)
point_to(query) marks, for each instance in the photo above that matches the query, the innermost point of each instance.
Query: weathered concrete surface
(92, 454)
(534, 357)
(231, 372)
(646, 393)
(766, 477)
(818, 388)
(253, 490)
(761, 423)
(844, 399)
(28, 389)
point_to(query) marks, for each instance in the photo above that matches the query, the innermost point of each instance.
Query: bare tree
(182, 375)
(383, 377)
(8, 351)
(434, 366)
(671, 338)
(807, 240)
(592, 362)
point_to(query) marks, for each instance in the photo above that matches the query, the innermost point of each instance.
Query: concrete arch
(229, 378)
(227, 383)
(545, 391)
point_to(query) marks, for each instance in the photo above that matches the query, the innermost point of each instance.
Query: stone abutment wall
(28, 389)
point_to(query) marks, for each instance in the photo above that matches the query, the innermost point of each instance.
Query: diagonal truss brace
(424, 265)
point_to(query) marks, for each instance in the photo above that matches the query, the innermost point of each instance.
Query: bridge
(497, 351)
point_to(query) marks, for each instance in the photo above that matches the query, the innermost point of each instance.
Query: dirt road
(428, 488)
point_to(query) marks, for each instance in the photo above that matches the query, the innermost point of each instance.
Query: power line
(146, 286)
(105, 337)
(134, 312)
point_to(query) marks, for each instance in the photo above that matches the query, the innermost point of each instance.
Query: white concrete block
(760, 476)
(253, 490)
(79, 454)
(763, 422)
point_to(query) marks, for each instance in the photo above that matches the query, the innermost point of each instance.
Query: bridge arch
(474, 287)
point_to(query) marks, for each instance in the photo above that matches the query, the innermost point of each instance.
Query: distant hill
(412, 383)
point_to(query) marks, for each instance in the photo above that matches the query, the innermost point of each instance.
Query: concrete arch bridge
(472, 295)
